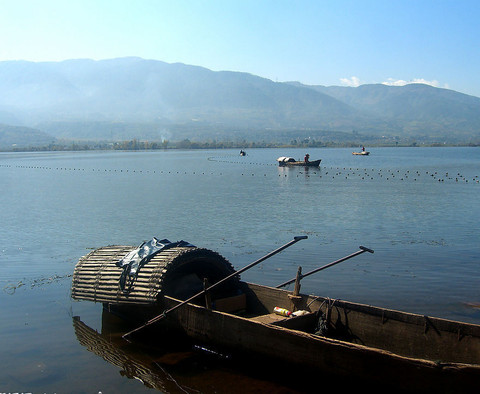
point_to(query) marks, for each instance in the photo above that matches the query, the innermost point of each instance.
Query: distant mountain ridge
(136, 98)
(13, 136)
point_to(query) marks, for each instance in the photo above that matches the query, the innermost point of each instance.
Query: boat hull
(314, 163)
(371, 344)
(360, 153)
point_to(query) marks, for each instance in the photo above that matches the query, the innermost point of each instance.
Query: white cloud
(401, 82)
(353, 81)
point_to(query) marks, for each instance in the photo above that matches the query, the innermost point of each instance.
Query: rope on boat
(323, 319)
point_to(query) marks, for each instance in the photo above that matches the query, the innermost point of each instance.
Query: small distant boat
(362, 153)
(290, 161)
(243, 153)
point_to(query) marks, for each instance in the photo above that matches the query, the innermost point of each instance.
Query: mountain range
(127, 98)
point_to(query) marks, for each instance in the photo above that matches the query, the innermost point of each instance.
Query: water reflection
(109, 345)
(172, 363)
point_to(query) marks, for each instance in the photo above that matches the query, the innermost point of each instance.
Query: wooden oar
(363, 249)
(164, 313)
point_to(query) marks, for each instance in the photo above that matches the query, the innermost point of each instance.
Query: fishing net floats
(323, 172)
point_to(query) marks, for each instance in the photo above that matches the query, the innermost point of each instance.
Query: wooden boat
(291, 162)
(411, 352)
(363, 153)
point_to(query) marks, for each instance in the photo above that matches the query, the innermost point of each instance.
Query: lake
(417, 208)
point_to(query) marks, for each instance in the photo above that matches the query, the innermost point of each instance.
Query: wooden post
(328, 314)
(208, 299)
(296, 289)
(294, 297)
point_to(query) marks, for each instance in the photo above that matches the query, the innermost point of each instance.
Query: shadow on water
(172, 363)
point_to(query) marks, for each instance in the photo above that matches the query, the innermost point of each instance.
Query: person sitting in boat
(307, 157)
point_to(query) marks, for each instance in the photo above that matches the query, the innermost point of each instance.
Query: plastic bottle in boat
(282, 311)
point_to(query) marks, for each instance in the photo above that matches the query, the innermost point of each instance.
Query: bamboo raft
(97, 277)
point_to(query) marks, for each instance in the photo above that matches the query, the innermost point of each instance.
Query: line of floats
(325, 172)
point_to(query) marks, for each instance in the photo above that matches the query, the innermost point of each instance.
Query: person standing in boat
(307, 157)
(363, 149)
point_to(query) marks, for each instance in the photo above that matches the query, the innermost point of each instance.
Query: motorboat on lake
(363, 152)
(291, 162)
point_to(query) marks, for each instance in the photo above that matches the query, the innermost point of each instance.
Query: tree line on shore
(138, 145)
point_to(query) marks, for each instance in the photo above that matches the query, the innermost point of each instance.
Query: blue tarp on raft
(134, 260)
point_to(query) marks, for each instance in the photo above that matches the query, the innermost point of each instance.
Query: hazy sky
(335, 42)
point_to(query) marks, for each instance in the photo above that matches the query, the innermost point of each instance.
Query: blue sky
(337, 42)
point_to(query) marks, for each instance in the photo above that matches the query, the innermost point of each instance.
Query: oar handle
(363, 249)
(366, 249)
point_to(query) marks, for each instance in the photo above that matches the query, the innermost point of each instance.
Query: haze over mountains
(126, 98)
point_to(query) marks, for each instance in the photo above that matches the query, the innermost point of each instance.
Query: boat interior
(405, 334)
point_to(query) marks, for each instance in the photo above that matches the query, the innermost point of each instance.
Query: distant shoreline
(135, 145)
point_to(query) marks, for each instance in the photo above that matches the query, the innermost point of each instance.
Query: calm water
(418, 208)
